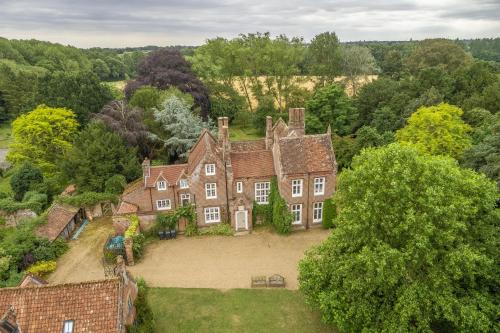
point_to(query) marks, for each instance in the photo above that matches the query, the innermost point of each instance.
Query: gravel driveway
(194, 262)
(225, 262)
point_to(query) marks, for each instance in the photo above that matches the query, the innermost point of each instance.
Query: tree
(166, 68)
(357, 63)
(42, 137)
(183, 127)
(25, 179)
(98, 155)
(413, 249)
(442, 53)
(484, 156)
(225, 101)
(331, 106)
(325, 56)
(437, 130)
(81, 92)
(128, 123)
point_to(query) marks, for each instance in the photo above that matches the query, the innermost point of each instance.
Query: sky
(119, 23)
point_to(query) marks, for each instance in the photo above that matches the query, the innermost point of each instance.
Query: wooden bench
(259, 282)
(276, 281)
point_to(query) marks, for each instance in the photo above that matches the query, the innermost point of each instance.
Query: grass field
(238, 133)
(237, 310)
(5, 135)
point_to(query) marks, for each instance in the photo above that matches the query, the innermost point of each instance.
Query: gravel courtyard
(197, 262)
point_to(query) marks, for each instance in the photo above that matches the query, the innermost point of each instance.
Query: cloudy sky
(116, 23)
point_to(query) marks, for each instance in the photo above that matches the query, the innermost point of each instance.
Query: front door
(241, 220)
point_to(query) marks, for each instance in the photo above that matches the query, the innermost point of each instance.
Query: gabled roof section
(168, 172)
(127, 208)
(309, 153)
(253, 164)
(206, 142)
(58, 218)
(94, 306)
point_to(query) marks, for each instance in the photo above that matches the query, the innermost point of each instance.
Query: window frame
(319, 181)
(185, 196)
(260, 193)
(166, 207)
(210, 169)
(299, 185)
(320, 209)
(208, 212)
(239, 187)
(164, 188)
(69, 321)
(181, 182)
(294, 211)
(207, 189)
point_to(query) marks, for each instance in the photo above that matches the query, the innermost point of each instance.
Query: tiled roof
(310, 153)
(58, 218)
(241, 146)
(169, 172)
(31, 280)
(133, 186)
(93, 306)
(253, 164)
(127, 208)
(205, 142)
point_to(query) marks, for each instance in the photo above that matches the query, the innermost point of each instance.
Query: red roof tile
(127, 208)
(94, 306)
(310, 153)
(169, 172)
(58, 218)
(253, 164)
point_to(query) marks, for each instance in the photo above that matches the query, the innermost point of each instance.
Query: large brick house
(224, 178)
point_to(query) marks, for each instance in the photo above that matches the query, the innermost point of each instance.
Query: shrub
(329, 213)
(42, 268)
(132, 228)
(265, 212)
(221, 229)
(165, 221)
(191, 229)
(24, 179)
(138, 245)
(47, 251)
(87, 199)
(144, 322)
(115, 184)
(281, 216)
(36, 202)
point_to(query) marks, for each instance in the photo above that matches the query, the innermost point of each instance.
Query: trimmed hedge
(87, 199)
(221, 229)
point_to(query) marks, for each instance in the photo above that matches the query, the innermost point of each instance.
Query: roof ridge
(67, 284)
(305, 136)
(167, 165)
(251, 151)
(250, 140)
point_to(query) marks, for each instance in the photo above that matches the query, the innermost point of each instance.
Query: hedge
(87, 199)
(42, 268)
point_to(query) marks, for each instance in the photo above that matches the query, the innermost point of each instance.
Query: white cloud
(116, 23)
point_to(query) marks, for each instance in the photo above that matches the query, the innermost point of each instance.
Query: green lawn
(238, 310)
(5, 135)
(240, 133)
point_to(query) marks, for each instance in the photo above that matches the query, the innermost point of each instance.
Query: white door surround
(241, 217)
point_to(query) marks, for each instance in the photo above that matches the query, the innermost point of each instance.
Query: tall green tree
(81, 92)
(357, 64)
(43, 137)
(414, 248)
(324, 57)
(98, 155)
(332, 106)
(437, 130)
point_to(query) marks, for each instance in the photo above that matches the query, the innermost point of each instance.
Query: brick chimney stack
(223, 135)
(269, 132)
(296, 120)
(146, 169)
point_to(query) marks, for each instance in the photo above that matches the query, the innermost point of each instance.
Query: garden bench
(276, 281)
(259, 282)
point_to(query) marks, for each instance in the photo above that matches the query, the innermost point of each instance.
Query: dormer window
(161, 185)
(210, 169)
(68, 326)
(183, 183)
